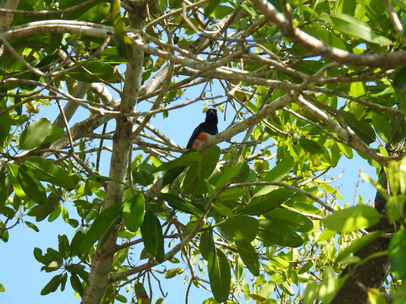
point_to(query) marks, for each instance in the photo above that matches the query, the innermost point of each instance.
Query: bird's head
(211, 116)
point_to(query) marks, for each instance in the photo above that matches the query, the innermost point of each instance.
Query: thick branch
(103, 257)
(71, 107)
(7, 19)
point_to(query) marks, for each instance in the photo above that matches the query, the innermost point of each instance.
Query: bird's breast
(200, 139)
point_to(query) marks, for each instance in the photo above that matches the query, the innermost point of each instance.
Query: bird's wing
(195, 133)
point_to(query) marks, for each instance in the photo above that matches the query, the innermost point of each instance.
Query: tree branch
(103, 257)
(318, 47)
(348, 135)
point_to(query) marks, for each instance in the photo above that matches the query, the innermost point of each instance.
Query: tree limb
(103, 257)
(318, 47)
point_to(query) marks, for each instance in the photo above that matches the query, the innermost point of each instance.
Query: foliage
(307, 87)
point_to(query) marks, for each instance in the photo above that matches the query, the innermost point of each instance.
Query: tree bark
(373, 273)
(370, 274)
(98, 279)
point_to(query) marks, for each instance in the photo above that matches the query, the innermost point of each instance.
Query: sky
(20, 272)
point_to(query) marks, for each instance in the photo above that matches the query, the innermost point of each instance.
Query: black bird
(199, 135)
(204, 130)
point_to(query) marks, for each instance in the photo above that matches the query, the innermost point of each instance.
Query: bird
(204, 130)
(199, 135)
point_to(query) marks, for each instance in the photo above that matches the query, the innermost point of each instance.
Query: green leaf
(4, 188)
(358, 244)
(196, 175)
(32, 226)
(185, 159)
(64, 279)
(335, 156)
(219, 275)
(39, 256)
(228, 174)
(5, 127)
(171, 175)
(396, 251)
(346, 150)
(271, 233)
(222, 209)
(276, 4)
(351, 219)
(169, 274)
(76, 284)
(361, 127)
(294, 220)
(63, 245)
(193, 182)
(399, 296)
(357, 28)
(133, 212)
(231, 193)
(151, 231)
(209, 161)
(2, 289)
(35, 134)
(46, 170)
(54, 134)
(96, 13)
(144, 174)
(310, 145)
(109, 217)
(206, 244)
(357, 89)
(248, 255)
(251, 10)
(141, 293)
(329, 285)
(211, 7)
(382, 127)
(79, 270)
(333, 191)
(263, 204)
(54, 260)
(180, 204)
(12, 170)
(327, 37)
(240, 227)
(326, 234)
(97, 68)
(75, 243)
(4, 235)
(399, 82)
(31, 186)
(275, 175)
(52, 285)
(42, 211)
(123, 42)
(375, 296)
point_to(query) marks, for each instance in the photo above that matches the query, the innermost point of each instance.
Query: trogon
(199, 135)
(204, 130)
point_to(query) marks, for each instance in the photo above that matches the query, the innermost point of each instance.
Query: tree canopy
(251, 214)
